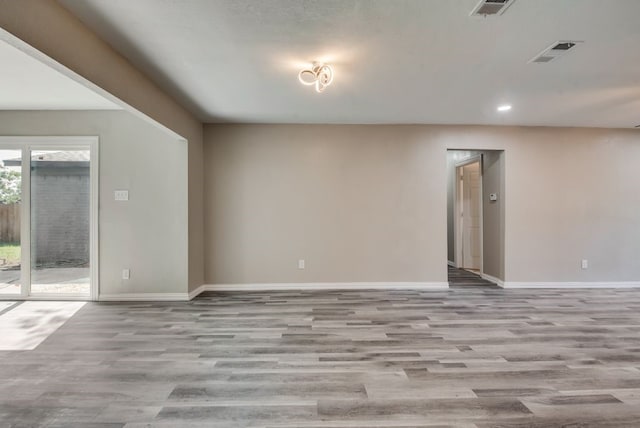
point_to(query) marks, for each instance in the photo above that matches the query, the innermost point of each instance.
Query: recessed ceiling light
(505, 107)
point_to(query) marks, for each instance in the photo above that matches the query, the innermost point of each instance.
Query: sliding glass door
(10, 217)
(60, 221)
(48, 217)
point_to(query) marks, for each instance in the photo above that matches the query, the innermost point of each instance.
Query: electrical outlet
(121, 195)
(585, 264)
(126, 274)
(300, 264)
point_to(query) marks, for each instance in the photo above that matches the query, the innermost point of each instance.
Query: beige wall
(355, 204)
(493, 214)
(148, 234)
(368, 203)
(81, 54)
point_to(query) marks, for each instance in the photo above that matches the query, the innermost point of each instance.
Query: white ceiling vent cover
(555, 51)
(491, 7)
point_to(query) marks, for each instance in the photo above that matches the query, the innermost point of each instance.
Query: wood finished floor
(461, 277)
(466, 357)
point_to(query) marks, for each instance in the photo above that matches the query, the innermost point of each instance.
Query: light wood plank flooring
(466, 357)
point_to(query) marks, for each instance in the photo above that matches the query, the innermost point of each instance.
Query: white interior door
(471, 216)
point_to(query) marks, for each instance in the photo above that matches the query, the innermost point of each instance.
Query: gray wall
(368, 203)
(493, 218)
(60, 216)
(149, 233)
(354, 202)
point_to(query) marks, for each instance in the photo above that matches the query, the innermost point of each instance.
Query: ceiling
(28, 84)
(396, 61)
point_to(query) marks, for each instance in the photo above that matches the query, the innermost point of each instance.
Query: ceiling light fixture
(320, 75)
(504, 108)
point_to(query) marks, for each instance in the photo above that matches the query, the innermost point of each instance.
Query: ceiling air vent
(491, 7)
(556, 50)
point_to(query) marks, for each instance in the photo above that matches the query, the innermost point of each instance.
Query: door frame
(457, 211)
(26, 144)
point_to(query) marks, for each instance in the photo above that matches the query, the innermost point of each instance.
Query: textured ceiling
(396, 61)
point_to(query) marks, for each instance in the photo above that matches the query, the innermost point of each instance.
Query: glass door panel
(10, 212)
(60, 222)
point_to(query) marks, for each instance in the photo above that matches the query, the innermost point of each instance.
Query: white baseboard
(144, 297)
(194, 293)
(450, 263)
(21, 298)
(497, 281)
(327, 286)
(177, 297)
(511, 284)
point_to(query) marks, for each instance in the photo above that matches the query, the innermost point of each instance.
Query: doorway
(48, 218)
(475, 217)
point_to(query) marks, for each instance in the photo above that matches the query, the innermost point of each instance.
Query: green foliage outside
(9, 186)
(10, 252)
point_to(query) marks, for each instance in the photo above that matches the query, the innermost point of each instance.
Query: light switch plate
(121, 195)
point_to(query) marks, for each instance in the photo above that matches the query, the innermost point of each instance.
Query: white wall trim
(148, 297)
(493, 279)
(450, 263)
(144, 297)
(327, 286)
(629, 284)
(194, 293)
(44, 297)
